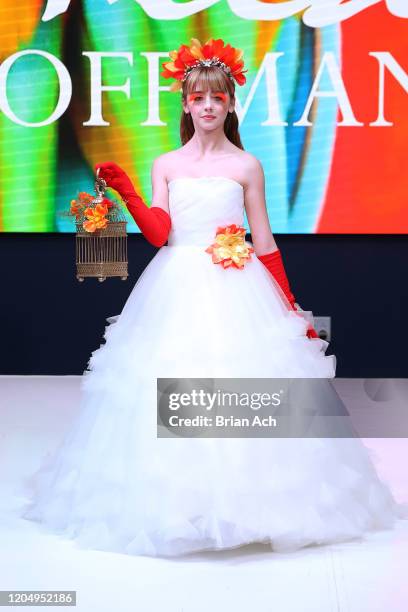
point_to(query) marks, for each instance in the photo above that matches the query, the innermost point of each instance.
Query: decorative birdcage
(101, 237)
(102, 254)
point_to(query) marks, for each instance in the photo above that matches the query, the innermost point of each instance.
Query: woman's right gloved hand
(116, 178)
(154, 222)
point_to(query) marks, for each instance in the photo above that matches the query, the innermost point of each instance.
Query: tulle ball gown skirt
(114, 485)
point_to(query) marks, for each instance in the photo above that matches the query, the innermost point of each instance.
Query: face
(208, 108)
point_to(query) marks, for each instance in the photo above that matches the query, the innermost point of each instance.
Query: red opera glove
(274, 263)
(154, 222)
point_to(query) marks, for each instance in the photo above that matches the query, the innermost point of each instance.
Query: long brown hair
(214, 79)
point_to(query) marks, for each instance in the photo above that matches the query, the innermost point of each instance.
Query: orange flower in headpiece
(212, 53)
(96, 218)
(230, 248)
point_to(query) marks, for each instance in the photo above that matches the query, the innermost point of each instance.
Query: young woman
(209, 305)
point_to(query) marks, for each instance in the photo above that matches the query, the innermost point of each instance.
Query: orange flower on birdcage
(75, 208)
(86, 206)
(230, 248)
(96, 218)
(84, 196)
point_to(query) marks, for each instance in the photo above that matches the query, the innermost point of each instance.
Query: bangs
(207, 78)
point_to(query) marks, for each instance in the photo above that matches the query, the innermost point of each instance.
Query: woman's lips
(208, 117)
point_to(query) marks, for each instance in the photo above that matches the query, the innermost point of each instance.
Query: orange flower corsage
(230, 248)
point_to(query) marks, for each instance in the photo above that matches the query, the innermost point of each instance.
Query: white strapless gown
(113, 485)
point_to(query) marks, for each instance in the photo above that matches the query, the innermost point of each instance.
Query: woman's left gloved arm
(274, 263)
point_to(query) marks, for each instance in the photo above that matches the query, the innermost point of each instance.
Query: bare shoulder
(160, 162)
(252, 169)
(248, 169)
(164, 164)
(251, 160)
(160, 195)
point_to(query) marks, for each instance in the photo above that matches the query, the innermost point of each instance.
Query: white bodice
(198, 205)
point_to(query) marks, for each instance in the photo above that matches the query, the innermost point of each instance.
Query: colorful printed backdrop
(321, 176)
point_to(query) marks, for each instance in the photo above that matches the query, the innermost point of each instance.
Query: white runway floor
(368, 575)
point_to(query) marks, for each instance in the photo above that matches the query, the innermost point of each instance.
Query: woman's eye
(198, 98)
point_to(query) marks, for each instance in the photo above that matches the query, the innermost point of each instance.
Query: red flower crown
(212, 53)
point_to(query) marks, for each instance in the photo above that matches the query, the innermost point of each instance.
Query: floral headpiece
(213, 53)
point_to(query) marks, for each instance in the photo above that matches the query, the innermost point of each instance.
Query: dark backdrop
(50, 323)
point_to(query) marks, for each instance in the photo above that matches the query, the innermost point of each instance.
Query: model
(209, 304)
